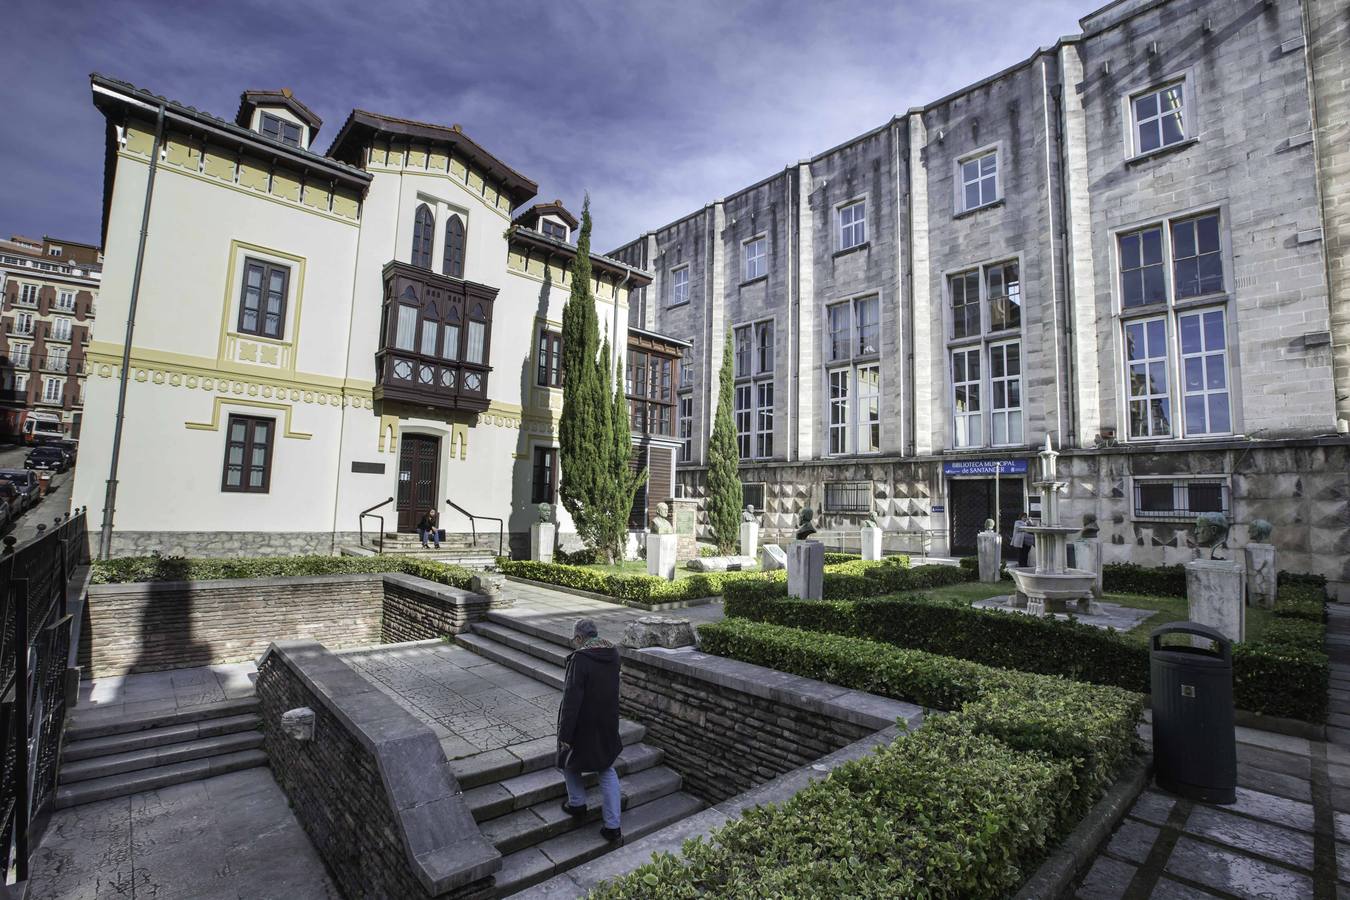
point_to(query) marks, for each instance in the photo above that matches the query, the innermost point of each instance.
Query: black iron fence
(35, 645)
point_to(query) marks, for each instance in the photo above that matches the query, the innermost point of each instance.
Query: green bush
(1128, 578)
(586, 556)
(1303, 579)
(964, 807)
(635, 588)
(179, 568)
(1300, 601)
(832, 557)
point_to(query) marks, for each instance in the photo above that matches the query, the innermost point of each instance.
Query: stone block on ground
(806, 569)
(1087, 554)
(721, 563)
(660, 631)
(661, 555)
(772, 557)
(749, 539)
(1214, 593)
(871, 543)
(542, 535)
(1261, 574)
(990, 550)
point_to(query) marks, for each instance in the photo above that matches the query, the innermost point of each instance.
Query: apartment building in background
(48, 298)
(1133, 241)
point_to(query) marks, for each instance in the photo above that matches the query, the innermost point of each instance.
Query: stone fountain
(1051, 584)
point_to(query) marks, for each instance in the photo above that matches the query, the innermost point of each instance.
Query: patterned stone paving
(473, 704)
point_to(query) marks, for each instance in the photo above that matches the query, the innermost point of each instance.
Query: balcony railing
(433, 326)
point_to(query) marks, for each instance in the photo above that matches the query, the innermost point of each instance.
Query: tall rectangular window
(868, 405)
(543, 485)
(679, 286)
(51, 390)
(1003, 288)
(20, 355)
(57, 357)
(248, 454)
(28, 294)
(550, 359)
(1150, 399)
(262, 305)
(966, 398)
(686, 426)
(764, 419)
(742, 343)
(60, 329)
(1196, 261)
(852, 225)
(23, 323)
(687, 369)
(1005, 389)
(65, 300)
(1204, 372)
(966, 304)
(743, 414)
(868, 316)
(841, 330)
(405, 332)
(979, 181)
(1159, 118)
(756, 258)
(763, 347)
(839, 417)
(1142, 278)
(477, 342)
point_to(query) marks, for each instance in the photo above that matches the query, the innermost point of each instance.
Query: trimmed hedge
(832, 557)
(180, 568)
(1285, 674)
(637, 588)
(1128, 578)
(964, 807)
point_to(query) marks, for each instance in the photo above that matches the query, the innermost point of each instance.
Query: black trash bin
(1194, 743)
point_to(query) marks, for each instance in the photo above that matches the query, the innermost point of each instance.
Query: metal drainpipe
(1070, 328)
(110, 495)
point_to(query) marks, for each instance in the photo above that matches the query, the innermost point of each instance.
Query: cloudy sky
(653, 107)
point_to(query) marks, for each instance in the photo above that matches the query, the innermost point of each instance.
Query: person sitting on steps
(429, 526)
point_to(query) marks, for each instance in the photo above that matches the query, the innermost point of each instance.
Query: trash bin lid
(1221, 652)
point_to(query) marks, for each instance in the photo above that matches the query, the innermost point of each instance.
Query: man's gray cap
(585, 628)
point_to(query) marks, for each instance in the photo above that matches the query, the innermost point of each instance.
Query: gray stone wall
(721, 739)
(170, 625)
(379, 806)
(228, 543)
(418, 610)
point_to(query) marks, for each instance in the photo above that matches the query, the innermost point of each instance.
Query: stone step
(519, 791)
(517, 640)
(496, 765)
(156, 737)
(558, 854)
(519, 661)
(525, 626)
(546, 819)
(125, 783)
(151, 757)
(96, 722)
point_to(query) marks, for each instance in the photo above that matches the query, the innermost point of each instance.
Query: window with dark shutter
(248, 455)
(545, 475)
(454, 247)
(424, 233)
(550, 359)
(262, 302)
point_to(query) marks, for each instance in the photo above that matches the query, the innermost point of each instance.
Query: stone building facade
(48, 294)
(1132, 241)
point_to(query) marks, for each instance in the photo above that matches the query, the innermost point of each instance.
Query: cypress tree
(625, 481)
(724, 479)
(585, 407)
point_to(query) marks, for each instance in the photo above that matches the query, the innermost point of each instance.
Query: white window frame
(963, 180)
(24, 323)
(757, 346)
(838, 387)
(743, 412)
(61, 328)
(684, 425)
(54, 251)
(57, 358)
(970, 423)
(1008, 413)
(1148, 360)
(679, 285)
(1189, 106)
(28, 294)
(763, 447)
(21, 355)
(867, 410)
(47, 391)
(852, 234)
(65, 300)
(743, 351)
(755, 257)
(21, 383)
(1204, 356)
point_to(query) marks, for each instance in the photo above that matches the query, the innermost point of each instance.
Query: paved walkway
(114, 697)
(557, 611)
(232, 836)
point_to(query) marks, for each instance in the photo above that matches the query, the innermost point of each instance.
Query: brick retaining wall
(371, 788)
(149, 626)
(728, 726)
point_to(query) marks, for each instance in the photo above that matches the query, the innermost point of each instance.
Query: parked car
(47, 457)
(69, 447)
(26, 482)
(11, 501)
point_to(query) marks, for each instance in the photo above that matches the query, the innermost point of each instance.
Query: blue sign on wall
(985, 467)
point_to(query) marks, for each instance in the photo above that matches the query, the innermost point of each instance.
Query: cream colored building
(317, 334)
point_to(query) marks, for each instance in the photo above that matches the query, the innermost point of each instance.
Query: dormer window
(278, 129)
(553, 229)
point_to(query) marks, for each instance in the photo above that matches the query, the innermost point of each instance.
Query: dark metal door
(417, 492)
(971, 501)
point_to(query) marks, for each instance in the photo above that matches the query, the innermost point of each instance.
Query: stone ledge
(845, 704)
(443, 844)
(452, 595)
(580, 881)
(207, 584)
(656, 606)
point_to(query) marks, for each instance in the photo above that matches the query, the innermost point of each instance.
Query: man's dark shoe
(575, 812)
(613, 835)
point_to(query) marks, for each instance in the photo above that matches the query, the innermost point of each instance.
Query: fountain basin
(1071, 584)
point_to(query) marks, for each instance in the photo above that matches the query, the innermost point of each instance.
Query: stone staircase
(459, 549)
(104, 758)
(517, 803)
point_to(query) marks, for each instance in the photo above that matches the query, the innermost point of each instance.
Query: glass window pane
(1146, 106)
(1190, 334)
(406, 331)
(1129, 251)
(1149, 136)
(1214, 336)
(1183, 239)
(450, 347)
(477, 334)
(972, 195)
(1219, 421)
(429, 337)
(1208, 237)
(1215, 379)
(1194, 373)
(1195, 414)
(1152, 246)
(1157, 337)
(987, 164)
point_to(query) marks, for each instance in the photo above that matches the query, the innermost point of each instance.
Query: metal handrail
(473, 525)
(361, 525)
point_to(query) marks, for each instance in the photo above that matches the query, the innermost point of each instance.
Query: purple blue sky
(655, 108)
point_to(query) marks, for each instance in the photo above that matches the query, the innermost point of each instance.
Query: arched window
(454, 246)
(424, 234)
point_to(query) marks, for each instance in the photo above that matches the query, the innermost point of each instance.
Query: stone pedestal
(871, 543)
(1214, 589)
(806, 569)
(684, 516)
(659, 631)
(1087, 554)
(772, 557)
(990, 548)
(542, 536)
(662, 550)
(1261, 574)
(749, 539)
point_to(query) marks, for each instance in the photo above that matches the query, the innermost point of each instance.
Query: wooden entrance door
(418, 461)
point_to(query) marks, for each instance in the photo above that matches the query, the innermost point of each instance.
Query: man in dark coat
(588, 725)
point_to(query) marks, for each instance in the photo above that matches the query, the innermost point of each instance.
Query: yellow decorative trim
(472, 191)
(214, 424)
(107, 353)
(388, 433)
(459, 440)
(231, 340)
